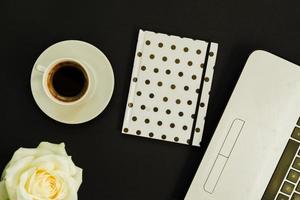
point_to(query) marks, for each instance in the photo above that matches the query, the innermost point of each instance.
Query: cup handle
(41, 68)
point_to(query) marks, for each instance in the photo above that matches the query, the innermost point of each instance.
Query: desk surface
(118, 166)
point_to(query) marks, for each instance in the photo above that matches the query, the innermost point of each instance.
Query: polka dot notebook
(170, 87)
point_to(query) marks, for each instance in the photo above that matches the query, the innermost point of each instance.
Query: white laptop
(254, 153)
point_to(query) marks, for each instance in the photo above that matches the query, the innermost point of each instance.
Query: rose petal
(22, 194)
(19, 154)
(58, 149)
(78, 177)
(71, 186)
(3, 192)
(55, 162)
(44, 148)
(13, 174)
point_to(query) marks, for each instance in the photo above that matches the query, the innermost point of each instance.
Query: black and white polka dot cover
(169, 90)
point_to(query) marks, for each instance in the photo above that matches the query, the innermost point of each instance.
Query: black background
(118, 166)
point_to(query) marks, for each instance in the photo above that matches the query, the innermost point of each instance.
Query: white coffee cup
(55, 67)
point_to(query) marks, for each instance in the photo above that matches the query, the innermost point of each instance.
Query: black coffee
(68, 81)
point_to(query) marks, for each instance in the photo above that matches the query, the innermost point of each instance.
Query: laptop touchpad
(223, 155)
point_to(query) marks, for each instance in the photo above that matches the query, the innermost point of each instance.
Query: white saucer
(82, 51)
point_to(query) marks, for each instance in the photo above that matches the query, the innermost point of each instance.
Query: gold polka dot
(160, 45)
(202, 104)
(190, 63)
(194, 77)
(125, 130)
(206, 79)
(202, 65)
(152, 56)
(173, 86)
(139, 54)
(198, 51)
(164, 58)
(185, 49)
(197, 130)
(211, 54)
(151, 95)
(173, 47)
(163, 137)
(176, 139)
(130, 105)
(177, 61)
(148, 42)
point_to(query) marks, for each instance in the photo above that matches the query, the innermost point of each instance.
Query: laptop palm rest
(223, 155)
(252, 133)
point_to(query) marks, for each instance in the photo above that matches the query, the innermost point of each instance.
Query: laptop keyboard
(285, 184)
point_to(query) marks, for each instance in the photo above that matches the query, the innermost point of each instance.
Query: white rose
(43, 173)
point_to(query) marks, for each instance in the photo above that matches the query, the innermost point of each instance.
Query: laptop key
(281, 170)
(296, 163)
(298, 187)
(282, 197)
(287, 188)
(293, 176)
(295, 196)
(296, 133)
